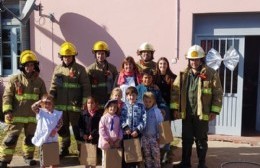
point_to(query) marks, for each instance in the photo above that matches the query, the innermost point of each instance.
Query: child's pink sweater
(106, 133)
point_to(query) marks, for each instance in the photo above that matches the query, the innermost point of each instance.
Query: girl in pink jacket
(110, 132)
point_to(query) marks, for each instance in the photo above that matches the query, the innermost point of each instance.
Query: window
(13, 37)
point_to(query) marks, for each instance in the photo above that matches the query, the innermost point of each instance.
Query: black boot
(202, 166)
(186, 154)
(3, 164)
(185, 163)
(202, 147)
(65, 144)
(181, 165)
(64, 152)
(30, 162)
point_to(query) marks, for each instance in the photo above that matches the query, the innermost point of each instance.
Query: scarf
(123, 75)
(92, 112)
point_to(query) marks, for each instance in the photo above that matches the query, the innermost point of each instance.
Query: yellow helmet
(28, 56)
(100, 46)
(68, 49)
(145, 47)
(195, 52)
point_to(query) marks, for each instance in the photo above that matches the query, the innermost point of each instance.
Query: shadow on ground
(221, 152)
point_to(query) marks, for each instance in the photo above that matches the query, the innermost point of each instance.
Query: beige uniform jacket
(70, 87)
(210, 93)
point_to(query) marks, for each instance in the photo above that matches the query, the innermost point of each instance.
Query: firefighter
(20, 93)
(70, 87)
(146, 53)
(102, 73)
(196, 99)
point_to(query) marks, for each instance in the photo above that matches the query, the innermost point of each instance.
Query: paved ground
(219, 152)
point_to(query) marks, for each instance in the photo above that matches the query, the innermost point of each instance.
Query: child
(117, 94)
(133, 117)
(88, 123)
(149, 86)
(109, 127)
(150, 138)
(49, 121)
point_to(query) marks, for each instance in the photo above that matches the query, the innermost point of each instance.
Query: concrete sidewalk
(219, 152)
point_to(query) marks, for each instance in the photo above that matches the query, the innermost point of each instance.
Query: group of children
(108, 128)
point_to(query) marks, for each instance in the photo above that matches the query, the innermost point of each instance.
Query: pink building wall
(124, 25)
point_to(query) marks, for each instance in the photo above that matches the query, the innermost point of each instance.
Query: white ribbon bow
(230, 60)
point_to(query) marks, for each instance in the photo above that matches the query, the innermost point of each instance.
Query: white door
(229, 122)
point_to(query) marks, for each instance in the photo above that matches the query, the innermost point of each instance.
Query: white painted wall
(124, 25)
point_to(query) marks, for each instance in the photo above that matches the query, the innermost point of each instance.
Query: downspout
(174, 60)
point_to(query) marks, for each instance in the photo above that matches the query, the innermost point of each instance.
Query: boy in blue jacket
(133, 118)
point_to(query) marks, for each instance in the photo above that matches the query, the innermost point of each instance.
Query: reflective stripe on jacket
(101, 84)
(210, 93)
(23, 120)
(70, 87)
(20, 93)
(6, 151)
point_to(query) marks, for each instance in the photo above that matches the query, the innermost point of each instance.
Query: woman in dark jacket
(164, 79)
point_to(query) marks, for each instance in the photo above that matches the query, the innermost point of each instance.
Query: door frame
(257, 127)
(229, 121)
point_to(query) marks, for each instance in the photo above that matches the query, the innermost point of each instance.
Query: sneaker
(3, 164)
(30, 162)
(165, 158)
(64, 153)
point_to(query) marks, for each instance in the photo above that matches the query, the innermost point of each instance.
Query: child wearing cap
(109, 127)
(89, 122)
(49, 121)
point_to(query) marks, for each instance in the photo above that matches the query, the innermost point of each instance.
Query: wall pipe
(175, 59)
